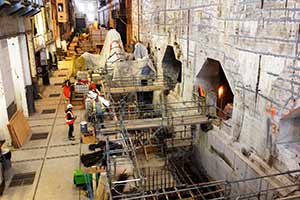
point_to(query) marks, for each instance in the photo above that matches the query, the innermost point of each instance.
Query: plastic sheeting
(114, 56)
(90, 61)
(133, 68)
(140, 51)
(104, 101)
(141, 66)
(113, 49)
(112, 52)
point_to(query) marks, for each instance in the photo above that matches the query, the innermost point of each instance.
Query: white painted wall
(25, 59)
(4, 134)
(7, 95)
(18, 72)
(6, 73)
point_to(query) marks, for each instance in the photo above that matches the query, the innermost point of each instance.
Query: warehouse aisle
(44, 165)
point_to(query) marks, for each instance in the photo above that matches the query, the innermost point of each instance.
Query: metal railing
(157, 114)
(261, 187)
(135, 81)
(244, 189)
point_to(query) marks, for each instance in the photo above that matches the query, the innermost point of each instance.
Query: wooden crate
(88, 139)
(19, 129)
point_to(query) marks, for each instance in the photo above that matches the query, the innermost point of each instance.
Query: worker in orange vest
(70, 120)
(67, 90)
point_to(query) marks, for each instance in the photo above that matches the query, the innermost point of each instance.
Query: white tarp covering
(133, 68)
(140, 51)
(113, 55)
(104, 101)
(112, 52)
(91, 60)
(141, 66)
(113, 49)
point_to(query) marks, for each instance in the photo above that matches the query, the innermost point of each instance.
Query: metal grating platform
(54, 95)
(48, 111)
(39, 136)
(22, 179)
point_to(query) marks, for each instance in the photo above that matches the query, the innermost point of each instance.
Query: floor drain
(58, 83)
(54, 95)
(22, 179)
(48, 111)
(62, 75)
(39, 136)
(64, 69)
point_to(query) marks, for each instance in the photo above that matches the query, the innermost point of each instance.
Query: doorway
(172, 68)
(213, 82)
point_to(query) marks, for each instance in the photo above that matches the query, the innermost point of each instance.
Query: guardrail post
(227, 190)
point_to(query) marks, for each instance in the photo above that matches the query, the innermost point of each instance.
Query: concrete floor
(53, 159)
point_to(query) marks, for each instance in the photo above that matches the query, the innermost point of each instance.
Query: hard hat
(69, 106)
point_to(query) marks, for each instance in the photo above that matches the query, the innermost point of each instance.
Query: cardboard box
(88, 139)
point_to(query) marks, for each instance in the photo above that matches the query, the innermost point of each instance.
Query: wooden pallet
(19, 129)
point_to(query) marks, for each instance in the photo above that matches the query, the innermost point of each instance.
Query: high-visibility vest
(102, 107)
(72, 120)
(67, 91)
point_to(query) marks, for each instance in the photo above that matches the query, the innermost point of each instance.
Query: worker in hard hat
(89, 105)
(93, 87)
(70, 120)
(99, 109)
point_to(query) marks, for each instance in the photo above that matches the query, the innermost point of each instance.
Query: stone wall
(256, 43)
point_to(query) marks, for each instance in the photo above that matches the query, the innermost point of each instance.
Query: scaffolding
(138, 127)
(159, 118)
(147, 83)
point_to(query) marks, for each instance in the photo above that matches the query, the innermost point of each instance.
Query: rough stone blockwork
(256, 43)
